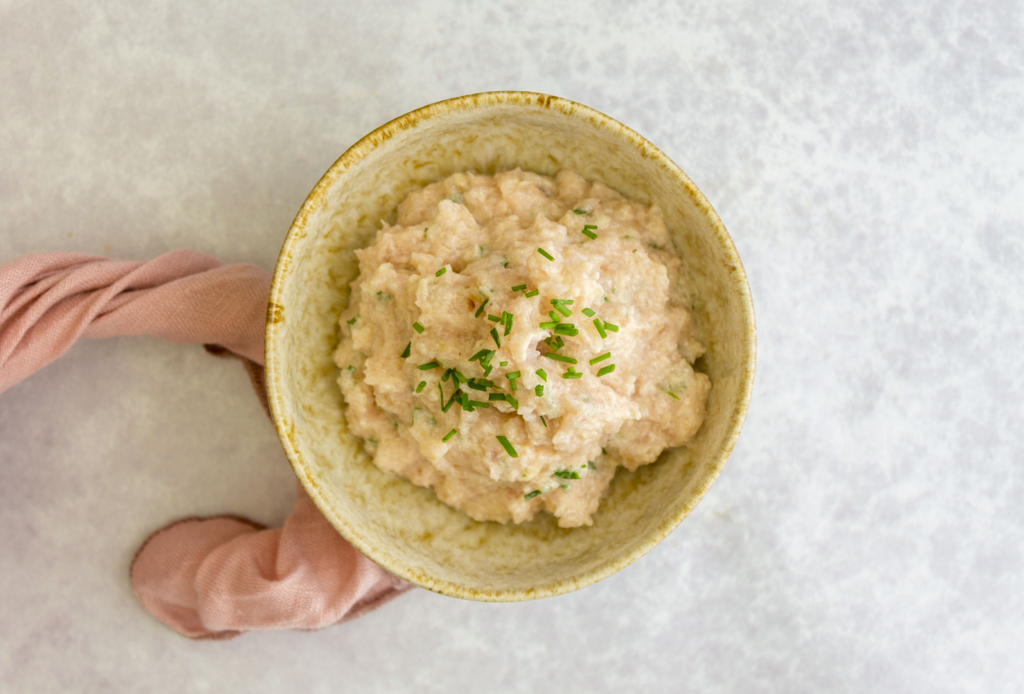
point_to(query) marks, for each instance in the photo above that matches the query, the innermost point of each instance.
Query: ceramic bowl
(402, 527)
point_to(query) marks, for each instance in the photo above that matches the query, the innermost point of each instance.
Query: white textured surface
(868, 532)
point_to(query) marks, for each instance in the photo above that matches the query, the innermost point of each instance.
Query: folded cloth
(208, 578)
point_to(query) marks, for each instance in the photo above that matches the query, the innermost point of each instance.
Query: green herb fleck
(428, 366)
(511, 375)
(440, 272)
(557, 357)
(600, 328)
(539, 391)
(405, 352)
(480, 309)
(502, 363)
(477, 403)
(567, 329)
(446, 375)
(581, 211)
(566, 474)
(496, 397)
(590, 463)
(572, 373)
(493, 318)
(512, 401)
(421, 386)
(544, 421)
(589, 313)
(588, 231)
(535, 492)
(352, 320)
(606, 370)
(448, 436)
(672, 394)
(535, 292)
(479, 355)
(457, 375)
(545, 254)
(507, 319)
(417, 327)
(543, 375)
(507, 446)
(548, 325)
(519, 287)
(598, 359)
(476, 385)
(610, 326)
(559, 305)
(494, 334)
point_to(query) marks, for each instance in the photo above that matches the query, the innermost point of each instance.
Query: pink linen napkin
(204, 578)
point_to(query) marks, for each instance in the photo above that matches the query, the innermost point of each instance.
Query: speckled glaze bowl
(402, 527)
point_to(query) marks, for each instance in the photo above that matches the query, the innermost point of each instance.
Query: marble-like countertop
(868, 160)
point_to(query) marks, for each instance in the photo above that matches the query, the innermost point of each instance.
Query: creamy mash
(514, 338)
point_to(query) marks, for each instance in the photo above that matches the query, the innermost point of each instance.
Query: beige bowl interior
(405, 528)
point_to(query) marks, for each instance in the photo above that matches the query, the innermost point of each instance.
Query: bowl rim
(418, 117)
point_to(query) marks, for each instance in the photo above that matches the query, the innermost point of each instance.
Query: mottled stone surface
(868, 532)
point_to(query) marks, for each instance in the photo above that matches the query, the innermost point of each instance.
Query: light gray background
(867, 533)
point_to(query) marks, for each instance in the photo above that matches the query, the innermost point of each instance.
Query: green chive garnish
(606, 370)
(535, 492)
(507, 446)
(545, 254)
(672, 394)
(572, 373)
(457, 375)
(417, 327)
(589, 313)
(566, 474)
(440, 272)
(512, 401)
(446, 375)
(405, 352)
(446, 407)
(511, 375)
(535, 292)
(479, 355)
(352, 320)
(560, 307)
(495, 397)
(581, 211)
(494, 334)
(544, 421)
(610, 326)
(600, 329)
(567, 329)
(548, 325)
(588, 231)
(428, 366)
(595, 360)
(508, 324)
(487, 370)
(543, 375)
(502, 363)
(519, 287)
(448, 436)
(539, 391)
(477, 403)
(476, 385)
(557, 357)
(493, 318)
(421, 386)
(480, 309)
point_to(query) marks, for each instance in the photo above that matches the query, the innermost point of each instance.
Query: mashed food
(514, 338)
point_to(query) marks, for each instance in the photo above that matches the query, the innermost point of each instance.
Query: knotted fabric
(204, 578)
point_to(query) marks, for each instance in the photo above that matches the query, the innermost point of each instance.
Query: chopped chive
(487, 370)
(502, 363)
(457, 375)
(421, 386)
(405, 352)
(543, 375)
(440, 272)
(590, 463)
(589, 313)
(519, 287)
(588, 233)
(539, 391)
(545, 254)
(494, 334)
(351, 368)
(512, 401)
(477, 403)
(448, 436)
(595, 360)
(672, 394)
(493, 318)
(445, 407)
(566, 474)
(507, 446)
(606, 370)
(352, 320)
(513, 374)
(548, 325)
(558, 357)
(480, 310)
(479, 355)
(486, 359)
(428, 366)
(544, 421)
(600, 329)
(556, 344)
(610, 326)
(417, 327)
(508, 324)
(496, 397)
(464, 402)
(570, 302)
(535, 292)
(485, 383)
(535, 492)
(572, 374)
(446, 375)
(475, 385)
(560, 307)
(567, 329)
(581, 211)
